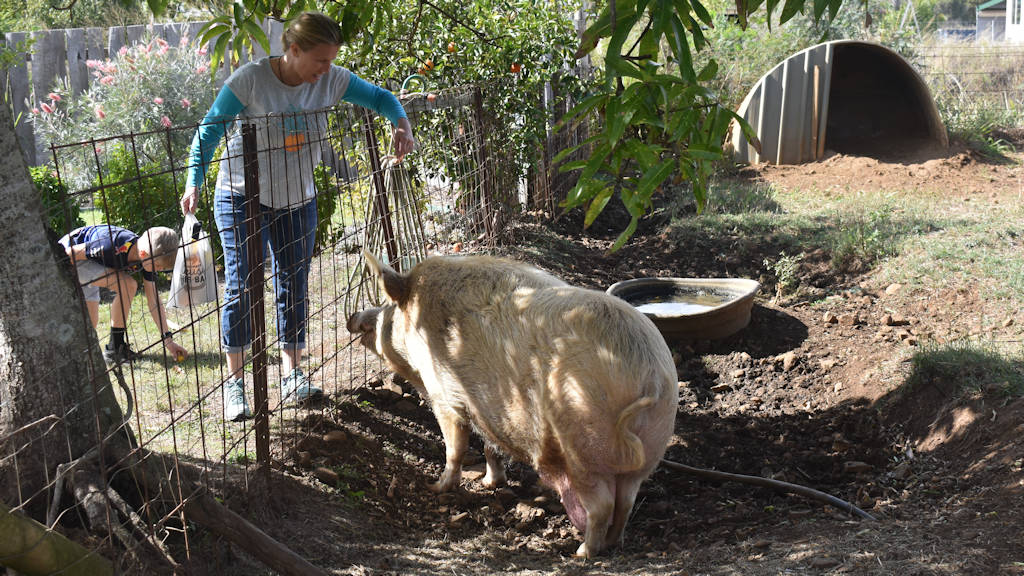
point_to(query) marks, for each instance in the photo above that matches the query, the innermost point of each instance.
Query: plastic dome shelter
(848, 96)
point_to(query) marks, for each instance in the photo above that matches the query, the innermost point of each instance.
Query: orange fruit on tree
(429, 64)
(515, 68)
(451, 47)
(431, 97)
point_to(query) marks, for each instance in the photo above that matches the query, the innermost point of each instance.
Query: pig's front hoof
(446, 483)
(584, 552)
(494, 480)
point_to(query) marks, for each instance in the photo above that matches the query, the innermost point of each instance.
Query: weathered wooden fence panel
(17, 87)
(59, 54)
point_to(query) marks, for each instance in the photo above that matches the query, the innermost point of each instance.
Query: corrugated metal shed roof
(992, 4)
(843, 94)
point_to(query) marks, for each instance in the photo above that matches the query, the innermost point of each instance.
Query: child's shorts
(90, 271)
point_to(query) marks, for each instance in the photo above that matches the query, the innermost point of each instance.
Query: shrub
(136, 195)
(62, 213)
(326, 204)
(148, 87)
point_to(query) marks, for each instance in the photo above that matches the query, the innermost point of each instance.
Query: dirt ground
(800, 395)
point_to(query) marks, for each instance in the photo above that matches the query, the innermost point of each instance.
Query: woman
(290, 142)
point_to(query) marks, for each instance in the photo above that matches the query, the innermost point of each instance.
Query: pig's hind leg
(456, 439)
(597, 498)
(626, 488)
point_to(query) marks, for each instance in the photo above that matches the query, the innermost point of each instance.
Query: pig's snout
(354, 324)
(365, 324)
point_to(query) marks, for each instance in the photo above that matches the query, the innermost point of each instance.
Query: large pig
(574, 382)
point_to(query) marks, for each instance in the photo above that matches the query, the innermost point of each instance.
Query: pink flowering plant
(151, 86)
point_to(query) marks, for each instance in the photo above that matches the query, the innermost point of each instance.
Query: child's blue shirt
(109, 246)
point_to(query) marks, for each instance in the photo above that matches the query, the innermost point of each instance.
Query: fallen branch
(776, 485)
(218, 518)
(27, 547)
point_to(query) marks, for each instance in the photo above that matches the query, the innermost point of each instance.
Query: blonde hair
(162, 245)
(311, 29)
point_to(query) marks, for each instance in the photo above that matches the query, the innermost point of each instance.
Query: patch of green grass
(980, 247)
(968, 365)
(786, 269)
(743, 199)
(864, 236)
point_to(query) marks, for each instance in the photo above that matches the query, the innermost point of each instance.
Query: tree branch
(455, 19)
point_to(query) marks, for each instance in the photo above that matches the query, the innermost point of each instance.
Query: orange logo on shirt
(294, 142)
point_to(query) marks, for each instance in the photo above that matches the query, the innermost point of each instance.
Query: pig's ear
(395, 285)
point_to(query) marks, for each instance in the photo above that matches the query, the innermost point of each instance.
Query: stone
(789, 360)
(851, 319)
(336, 436)
(855, 467)
(326, 475)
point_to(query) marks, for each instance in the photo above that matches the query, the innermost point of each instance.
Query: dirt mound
(957, 170)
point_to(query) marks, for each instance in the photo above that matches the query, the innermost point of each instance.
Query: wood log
(213, 516)
(26, 546)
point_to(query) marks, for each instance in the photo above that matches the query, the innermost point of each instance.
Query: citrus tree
(660, 121)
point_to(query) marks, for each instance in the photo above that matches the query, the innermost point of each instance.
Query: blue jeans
(290, 233)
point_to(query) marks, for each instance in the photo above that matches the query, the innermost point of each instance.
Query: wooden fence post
(254, 288)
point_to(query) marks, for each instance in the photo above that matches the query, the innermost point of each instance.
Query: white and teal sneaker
(236, 408)
(295, 387)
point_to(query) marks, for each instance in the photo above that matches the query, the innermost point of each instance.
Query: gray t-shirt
(290, 141)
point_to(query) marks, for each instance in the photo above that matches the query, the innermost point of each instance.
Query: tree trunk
(56, 402)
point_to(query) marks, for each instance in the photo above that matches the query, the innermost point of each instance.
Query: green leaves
(661, 125)
(240, 30)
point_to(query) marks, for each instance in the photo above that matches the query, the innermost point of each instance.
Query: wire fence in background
(987, 77)
(448, 196)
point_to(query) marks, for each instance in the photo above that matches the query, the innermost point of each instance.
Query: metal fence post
(254, 289)
(380, 198)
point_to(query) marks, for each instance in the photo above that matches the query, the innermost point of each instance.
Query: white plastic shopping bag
(194, 280)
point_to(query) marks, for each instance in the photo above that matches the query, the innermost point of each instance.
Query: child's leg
(124, 288)
(93, 306)
(89, 273)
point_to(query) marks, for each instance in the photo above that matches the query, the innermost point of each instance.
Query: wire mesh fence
(298, 201)
(987, 77)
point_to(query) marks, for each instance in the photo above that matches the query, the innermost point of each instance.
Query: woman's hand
(402, 136)
(189, 200)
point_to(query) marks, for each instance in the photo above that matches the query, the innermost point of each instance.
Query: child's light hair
(162, 245)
